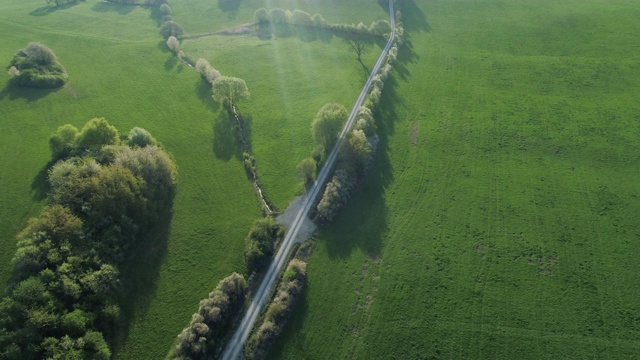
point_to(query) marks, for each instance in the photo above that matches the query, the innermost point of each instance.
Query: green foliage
(327, 124)
(140, 137)
(37, 66)
(229, 90)
(63, 143)
(336, 194)
(261, 16)
(307, 170)
(261, 241)
(165, 9)
(95, 134)
(213, 320)
(65, 261)
(171, 28)
(278, 312)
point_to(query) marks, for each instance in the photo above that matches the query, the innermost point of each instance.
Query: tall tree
(327, 124)
(229, 90)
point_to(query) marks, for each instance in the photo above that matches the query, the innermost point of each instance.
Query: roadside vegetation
(496, 220)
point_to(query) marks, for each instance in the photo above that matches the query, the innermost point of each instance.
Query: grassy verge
(498, 220)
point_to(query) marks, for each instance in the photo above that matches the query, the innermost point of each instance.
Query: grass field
(500, 218)
(119, 69)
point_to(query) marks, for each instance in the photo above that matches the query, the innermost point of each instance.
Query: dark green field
(500, 218)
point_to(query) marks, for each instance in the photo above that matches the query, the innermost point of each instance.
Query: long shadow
(413, 18)
(50, 9)
(406, 55)
(139, 275)
(363, 221)
(30, 94)
(225, 139)
(121, 9)
(203, 90)
(40, 186)
(293, 327)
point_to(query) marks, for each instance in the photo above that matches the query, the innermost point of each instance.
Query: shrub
(63, 143)
(140, 137)
(171, 28)
(36, 66)
(95, 134)
(261, 16)
(319, 21)
(335, 195)
(173, 44)
(327, 124)
(307, 170)
(278, 16)
(279, 310)
(208, 73)
(213, 320)
(165, 9)
(260, 242)
(379, 28)
(301, 18)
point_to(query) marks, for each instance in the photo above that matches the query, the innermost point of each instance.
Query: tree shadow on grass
(406, 55)
(40, 185)
(30, 94)
(203, 90)
(49, 9)
(139, 275)
(413, 18)
(225, 140)
(121, 9)
(363, 221)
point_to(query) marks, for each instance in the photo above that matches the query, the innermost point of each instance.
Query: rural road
(236, 344)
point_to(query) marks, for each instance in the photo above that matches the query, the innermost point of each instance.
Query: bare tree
(358, 44)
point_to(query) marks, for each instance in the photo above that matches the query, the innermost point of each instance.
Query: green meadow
(499, 220)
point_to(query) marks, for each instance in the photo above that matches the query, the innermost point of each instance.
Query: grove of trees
(36, 66)
(104, 195)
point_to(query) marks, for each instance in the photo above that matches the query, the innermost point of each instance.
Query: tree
(40, 54)
(95, 134)
(261, 16)
(307, 170)
(171, 28)
(173, 44)
(229, 90)
(326, 125)
(63, 143)
(358, 44)
(140, 137)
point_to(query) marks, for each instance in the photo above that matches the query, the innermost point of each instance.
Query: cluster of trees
(287, 17)
(37, 66)
(356, 153)
(168, 27)
(296, 17)
(213, 320)
(104, 193)
(288, 292)
(260, 243)
(208, 72)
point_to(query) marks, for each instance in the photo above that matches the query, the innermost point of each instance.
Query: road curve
(235, 345)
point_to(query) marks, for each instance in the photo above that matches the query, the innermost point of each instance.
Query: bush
(278, 16)
(140, 137)
(319, 21)
(260, 243)
(173, 44)
(213, 320)
(36, 66)
(208, 73)
(281, 307)
(63, 143)
(327, 124)
(171, 28)
(95, 134)
(301, 18)
(261, 16)
(335, 195)
(165, 9)
(307, 170)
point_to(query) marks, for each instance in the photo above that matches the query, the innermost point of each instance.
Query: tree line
(106, 191)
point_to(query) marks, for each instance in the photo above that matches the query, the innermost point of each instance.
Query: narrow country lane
(236, 344)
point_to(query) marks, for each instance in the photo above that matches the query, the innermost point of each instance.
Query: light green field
(500, 218)
(119, 69)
